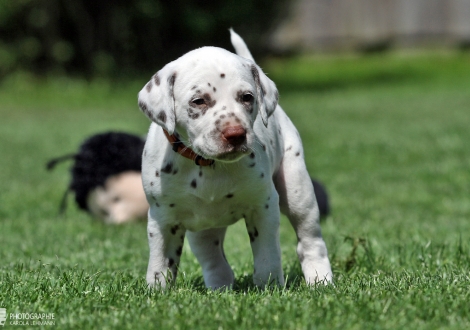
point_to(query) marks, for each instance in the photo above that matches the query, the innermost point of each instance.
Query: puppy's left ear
(268, 95)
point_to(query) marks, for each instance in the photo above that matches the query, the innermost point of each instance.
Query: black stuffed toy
(106, 178)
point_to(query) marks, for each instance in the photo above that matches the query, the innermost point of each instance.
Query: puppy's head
(210, 98)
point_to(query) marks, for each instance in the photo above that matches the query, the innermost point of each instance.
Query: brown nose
(235, 135)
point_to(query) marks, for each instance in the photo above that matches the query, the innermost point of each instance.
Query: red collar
(187, 152)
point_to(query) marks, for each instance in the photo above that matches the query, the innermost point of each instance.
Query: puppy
(221, 149)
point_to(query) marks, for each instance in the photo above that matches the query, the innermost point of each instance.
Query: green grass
(388, 135)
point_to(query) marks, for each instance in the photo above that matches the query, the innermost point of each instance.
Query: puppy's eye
(198, 101)
(247, 98)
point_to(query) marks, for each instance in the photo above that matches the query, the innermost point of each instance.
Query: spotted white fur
(225, 108)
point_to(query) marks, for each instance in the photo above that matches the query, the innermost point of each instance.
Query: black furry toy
(100, 163)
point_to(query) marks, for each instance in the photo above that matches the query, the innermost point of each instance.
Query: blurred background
(123, 37)
(378, 90)
(119, 37)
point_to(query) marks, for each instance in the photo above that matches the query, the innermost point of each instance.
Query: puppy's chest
(208, 186)
(206, 194)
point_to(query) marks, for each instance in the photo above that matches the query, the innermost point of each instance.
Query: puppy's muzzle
(234, 135)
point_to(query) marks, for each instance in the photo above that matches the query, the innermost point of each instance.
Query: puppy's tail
(240, 47)
(322, 199)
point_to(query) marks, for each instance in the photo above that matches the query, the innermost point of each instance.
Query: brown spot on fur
(168, 168)
(157, 173)
(200, 173)
(172, 205)
(192, 114)
(162, 116)
(215, 89)
(289, 148)
(156, 78)
(266, 206)
(171, 79)
(262, 175)
(194, 87)
(171, 262)
(255, 73)
(179, 251)
(143, 107)
(149, 86)
(252, 155)
(216, 242)
(194, 183)
(229, 195)
(174, 229)
(297, 153)
(150, 234)
(252, 165)
(210, 103)
(222, 75)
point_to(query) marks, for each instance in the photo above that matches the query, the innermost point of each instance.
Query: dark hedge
(119, 37)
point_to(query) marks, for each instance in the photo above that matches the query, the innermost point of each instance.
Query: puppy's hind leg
(298, 203)
(207, 246)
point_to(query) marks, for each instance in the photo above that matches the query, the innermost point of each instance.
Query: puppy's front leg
(208, 247)
(166, 245)
(263, 229)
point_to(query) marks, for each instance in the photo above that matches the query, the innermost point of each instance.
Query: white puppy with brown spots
(221, 149)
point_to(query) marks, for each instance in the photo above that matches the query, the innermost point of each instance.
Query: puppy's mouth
(224, 152)
(233, 153)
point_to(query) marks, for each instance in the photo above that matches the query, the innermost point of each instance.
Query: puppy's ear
(268, 95)
(156, 99)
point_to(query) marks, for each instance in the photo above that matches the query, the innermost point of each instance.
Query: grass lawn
(389, 137)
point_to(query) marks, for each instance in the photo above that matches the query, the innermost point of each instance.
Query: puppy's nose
(235, 135)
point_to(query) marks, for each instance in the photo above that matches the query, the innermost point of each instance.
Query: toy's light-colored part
(122, 199)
